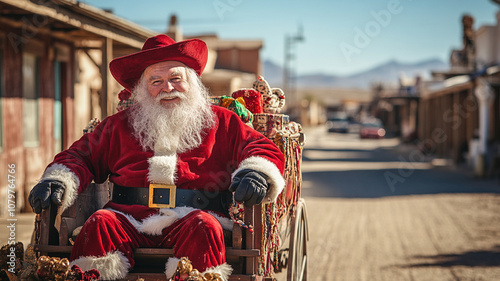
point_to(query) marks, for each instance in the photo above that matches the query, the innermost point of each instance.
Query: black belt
(199, 199)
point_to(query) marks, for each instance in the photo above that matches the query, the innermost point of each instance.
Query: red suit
(109, 236)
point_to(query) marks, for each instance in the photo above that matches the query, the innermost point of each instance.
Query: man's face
(165, 77)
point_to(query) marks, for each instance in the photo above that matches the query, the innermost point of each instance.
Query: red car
(373, 130)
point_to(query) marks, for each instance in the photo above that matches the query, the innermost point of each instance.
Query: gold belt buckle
(171, 202)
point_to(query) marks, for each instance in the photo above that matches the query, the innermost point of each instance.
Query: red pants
(198, 236)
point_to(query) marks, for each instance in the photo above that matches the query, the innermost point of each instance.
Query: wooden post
(106, 98)
(456, 125)
(258, 233)
(249, 240)
(449, 130)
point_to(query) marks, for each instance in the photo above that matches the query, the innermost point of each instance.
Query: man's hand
(249, 186)
(44, 192)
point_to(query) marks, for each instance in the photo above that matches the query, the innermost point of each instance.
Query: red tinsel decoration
(253, 99)
(124, 94)
(78, 274)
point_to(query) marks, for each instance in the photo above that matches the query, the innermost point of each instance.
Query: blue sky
(341, 37)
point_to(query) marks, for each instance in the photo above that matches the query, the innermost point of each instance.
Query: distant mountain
(273, 73)
(387, 73)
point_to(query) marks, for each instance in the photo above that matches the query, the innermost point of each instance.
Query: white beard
(178, 127)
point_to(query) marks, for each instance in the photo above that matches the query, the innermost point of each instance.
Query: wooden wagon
(275, 249)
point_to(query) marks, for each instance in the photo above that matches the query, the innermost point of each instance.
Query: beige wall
(486, 52)
(88, 82)
(240, 60)
(488, 43)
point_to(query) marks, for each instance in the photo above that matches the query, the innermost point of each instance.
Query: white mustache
(173, 94)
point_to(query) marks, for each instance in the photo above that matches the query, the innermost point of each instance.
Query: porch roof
(72, 20)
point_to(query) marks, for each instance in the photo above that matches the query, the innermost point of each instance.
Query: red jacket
(112, 151)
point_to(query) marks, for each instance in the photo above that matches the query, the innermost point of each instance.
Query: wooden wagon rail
(147, 252)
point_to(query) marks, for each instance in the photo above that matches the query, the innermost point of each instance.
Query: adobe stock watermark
(11, 204)
(223, 6)
(31, 26)
(407, 166)
(363, 35)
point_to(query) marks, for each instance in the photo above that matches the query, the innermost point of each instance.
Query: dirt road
(424, 237)
(439, 224)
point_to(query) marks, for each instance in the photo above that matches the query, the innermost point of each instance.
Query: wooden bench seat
(148, 252)
(242, 246)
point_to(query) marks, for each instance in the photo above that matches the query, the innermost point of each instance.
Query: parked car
(338, 123)
(373, 129)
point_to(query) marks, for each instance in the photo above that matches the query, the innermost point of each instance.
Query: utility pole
(289, 78)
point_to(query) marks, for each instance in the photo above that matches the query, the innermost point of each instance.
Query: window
(58, 107)
(61, 59)
(31, 83)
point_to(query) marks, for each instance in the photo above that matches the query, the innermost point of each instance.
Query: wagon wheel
(297, 267)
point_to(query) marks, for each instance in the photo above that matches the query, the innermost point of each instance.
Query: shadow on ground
(483, 258)
(398, 180)
(390, 182)
(361, 155)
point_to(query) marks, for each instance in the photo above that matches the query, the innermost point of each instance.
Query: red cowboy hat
(128, 69)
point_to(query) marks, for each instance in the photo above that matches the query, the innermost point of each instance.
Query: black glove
(249, 186)
(44, 192)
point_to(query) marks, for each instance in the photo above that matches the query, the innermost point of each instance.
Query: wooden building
(460, 109)
(54, 77)
(235, 64)
(456, 115)
(448, 119)
(232, 64)
(397, 109)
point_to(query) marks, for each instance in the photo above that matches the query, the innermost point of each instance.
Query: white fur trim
(260, 164)
(227, 223)
(131, 219)
(77, 231)
(162, 168)
(180, 211)
(155, 224)
(224, 270)
(114, 265)
(62, 173)
(171, 267)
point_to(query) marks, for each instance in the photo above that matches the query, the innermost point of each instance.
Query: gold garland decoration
(290, 142)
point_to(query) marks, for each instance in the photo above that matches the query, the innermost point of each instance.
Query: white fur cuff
(62, 173)
(171, 267)
(114, 265)
(224, 270)
(260, 164)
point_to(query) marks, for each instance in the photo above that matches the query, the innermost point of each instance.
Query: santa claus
(174, 161)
